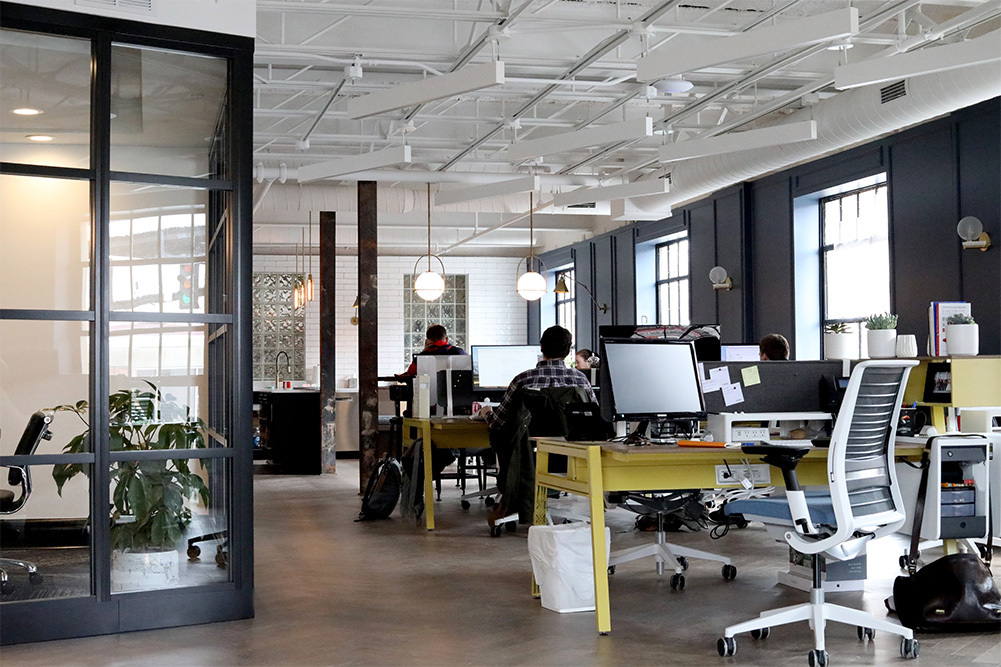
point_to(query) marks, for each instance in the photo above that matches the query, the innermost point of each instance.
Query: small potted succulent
(962, 335)
(881, 335)
(838, 342)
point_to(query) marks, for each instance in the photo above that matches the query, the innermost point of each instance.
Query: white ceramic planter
(840, 346)
(907, 346)
(962, 339)
(143, 571)
(882, 343)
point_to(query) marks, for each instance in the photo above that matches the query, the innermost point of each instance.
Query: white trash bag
(562, 564)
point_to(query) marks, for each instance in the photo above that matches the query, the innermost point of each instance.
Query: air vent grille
(131, 6)
(894, 91)
(589, 204)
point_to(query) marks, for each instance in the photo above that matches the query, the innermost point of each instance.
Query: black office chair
(36, 430)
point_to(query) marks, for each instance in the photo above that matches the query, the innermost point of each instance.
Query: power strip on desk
(757, 474)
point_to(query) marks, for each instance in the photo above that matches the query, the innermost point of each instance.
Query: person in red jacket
(435, 342)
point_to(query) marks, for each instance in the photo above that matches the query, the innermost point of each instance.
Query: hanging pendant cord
(311, 242)
(531, 227)
(429, 226)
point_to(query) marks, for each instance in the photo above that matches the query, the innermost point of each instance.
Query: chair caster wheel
(489, 501)
(6, 587)
(903, 562)
(221, 558)
(611, 569)
(193, 552)
(683, 562)
(727, 646)
(35, 578)
(464, 504)
(761, 633)
(511, 526)
(495, 531)
(865, 633)
(678, 582)
(908, 648)
(729, 572)
(818, 658)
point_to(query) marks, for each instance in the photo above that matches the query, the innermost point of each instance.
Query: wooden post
(368, 330)
(328, 338)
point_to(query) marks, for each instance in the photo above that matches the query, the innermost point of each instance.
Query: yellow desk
(443, 433)
(594, 468)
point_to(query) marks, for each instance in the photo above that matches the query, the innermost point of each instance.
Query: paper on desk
(750, 375)
(718, 377)
(732, 394)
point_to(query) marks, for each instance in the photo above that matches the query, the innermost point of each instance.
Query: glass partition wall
(124, 317)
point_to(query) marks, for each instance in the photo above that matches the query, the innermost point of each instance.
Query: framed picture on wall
(938, 383)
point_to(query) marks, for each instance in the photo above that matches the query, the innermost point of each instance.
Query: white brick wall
(497, 315)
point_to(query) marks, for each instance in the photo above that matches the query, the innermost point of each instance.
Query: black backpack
(383, 490)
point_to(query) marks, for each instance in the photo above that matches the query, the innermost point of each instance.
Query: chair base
(673, 555)
(34, 576)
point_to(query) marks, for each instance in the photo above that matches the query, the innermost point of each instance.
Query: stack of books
(938, 313)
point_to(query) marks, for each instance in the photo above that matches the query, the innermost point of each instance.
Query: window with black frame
(855, 261)
(566, 302)
(672, 280)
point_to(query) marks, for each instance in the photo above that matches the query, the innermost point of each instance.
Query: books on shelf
(938, 314)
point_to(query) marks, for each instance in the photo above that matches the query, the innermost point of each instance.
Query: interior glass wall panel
(45, 93)
(45, 243)
(168, 111)
(51, 535)
(43, 364)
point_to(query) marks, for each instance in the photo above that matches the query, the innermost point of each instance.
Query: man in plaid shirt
(550, 372)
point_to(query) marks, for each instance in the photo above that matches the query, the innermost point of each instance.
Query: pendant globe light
(429, 285)
(531, 284)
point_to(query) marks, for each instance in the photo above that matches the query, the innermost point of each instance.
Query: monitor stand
(638, 436)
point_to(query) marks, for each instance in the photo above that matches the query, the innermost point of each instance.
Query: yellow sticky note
(750, 376)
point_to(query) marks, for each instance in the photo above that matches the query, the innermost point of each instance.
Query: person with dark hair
(435, 342)
(582, 360)
(773, 347)
(550, 372)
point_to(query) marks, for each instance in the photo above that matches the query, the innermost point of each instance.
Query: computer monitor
(646, 379)
(740, 353)
(430, 364)
(494, 366)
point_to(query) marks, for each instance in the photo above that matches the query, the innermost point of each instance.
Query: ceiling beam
(578, 139)
(654, 186)
(499, 189)
(350, 165)
(466, 80)
(739, 141)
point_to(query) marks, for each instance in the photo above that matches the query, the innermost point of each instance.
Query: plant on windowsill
(962, 335)
(881, 335)
(838, 343)
(148, 511)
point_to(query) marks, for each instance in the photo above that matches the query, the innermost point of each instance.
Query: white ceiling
(569, 64)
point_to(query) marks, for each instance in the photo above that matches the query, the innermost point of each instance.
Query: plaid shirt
(547, 373)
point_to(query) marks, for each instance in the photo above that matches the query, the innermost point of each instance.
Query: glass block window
(450, 311)
(277, 325)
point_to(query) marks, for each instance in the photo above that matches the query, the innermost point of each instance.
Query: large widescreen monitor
(646, 379)
(494, 366)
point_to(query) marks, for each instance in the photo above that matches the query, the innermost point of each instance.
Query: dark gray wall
(937, 172)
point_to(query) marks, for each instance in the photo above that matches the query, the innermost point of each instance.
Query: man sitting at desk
(774, 347)
(436, 342)
(550, 372)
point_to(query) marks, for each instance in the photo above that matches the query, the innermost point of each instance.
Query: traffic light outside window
(185, 295)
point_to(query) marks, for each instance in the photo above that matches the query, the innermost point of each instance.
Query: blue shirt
(547, 373)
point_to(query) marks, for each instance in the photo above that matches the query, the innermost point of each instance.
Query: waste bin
(562, 564)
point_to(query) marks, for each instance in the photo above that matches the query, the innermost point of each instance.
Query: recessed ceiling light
(26, 111)
(39, 137)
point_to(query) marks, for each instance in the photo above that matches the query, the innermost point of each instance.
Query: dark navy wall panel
(979, 137)
(730, 255)
(584, 271)
(702, 248)
(623, 304)
(603, 285)
(771, 262)
(924, 245)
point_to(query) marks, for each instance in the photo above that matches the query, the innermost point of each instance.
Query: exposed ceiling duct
(849, 118)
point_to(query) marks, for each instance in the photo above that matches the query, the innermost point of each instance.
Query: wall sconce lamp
(531, 284)
(719, 279)
(561, 288)
(971, 230)
(429, 285)
(354, 318)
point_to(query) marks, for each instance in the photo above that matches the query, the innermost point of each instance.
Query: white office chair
(864, 504)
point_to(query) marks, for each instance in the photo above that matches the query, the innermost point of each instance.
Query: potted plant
(838, 343)
(148, 512)
(962, 335)
(881, 335)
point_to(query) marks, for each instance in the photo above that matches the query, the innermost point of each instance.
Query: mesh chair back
(860, 462)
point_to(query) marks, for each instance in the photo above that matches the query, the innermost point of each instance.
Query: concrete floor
(333, 591)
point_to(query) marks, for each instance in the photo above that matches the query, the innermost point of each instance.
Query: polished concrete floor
(331, 591)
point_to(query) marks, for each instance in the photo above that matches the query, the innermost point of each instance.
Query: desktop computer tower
(455, 391)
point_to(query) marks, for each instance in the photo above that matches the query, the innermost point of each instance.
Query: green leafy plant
(836, 328)
(960, 318)
(147, 504)
(881, 321)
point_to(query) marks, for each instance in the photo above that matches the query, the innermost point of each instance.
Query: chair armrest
(786, 459)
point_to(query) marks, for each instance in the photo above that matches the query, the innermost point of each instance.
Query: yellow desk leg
(428, 482)
(938, 418)
(541, 496)
(596, 495)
